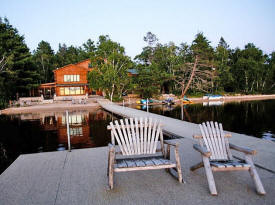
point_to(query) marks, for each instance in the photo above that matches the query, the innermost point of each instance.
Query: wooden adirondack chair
(216, 156)
(137, 143)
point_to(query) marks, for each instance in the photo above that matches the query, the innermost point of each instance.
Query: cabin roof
(73, 65)
(82, 61)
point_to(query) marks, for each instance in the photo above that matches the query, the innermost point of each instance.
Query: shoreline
(54, 107)
(92, 105)
(236, 98)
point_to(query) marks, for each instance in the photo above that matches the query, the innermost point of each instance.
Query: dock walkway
(265, 148)
(79, 177)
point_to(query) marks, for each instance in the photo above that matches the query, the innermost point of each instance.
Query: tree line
(181, 69)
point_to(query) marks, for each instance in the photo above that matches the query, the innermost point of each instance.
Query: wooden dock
(79, 177)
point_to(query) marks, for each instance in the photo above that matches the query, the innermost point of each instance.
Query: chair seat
(229, 164)
(143, 162)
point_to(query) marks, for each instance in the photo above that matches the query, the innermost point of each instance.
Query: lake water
(254, 118)
(43, 132)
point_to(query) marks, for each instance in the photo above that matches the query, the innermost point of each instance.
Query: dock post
(68, 131)
(147, 105)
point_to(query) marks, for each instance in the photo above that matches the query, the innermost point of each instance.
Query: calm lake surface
(43, 132)
(255, 118)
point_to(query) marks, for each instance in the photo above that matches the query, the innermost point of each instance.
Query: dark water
(43, 132)
(254, 118)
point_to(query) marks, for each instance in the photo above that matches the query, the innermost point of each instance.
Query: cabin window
(73, 119)
(71, 78)
(62, 91)
(76, 131)
(71, 90)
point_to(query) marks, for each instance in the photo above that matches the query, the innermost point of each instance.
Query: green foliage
(18, 73)
(43, 58)
(218, 70)
(111, 65)
(149, 80)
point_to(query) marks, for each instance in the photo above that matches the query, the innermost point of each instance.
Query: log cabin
(70, 80)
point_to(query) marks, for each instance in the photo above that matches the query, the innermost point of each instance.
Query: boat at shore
(212, 97)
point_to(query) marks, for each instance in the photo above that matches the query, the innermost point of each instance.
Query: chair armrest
(202, 150)
(170, 143)
(242, 149)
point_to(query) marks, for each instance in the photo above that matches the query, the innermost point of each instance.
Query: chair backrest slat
(126, 137)
(156, 138)
(137, 135)
(149, 136)
(133, 135)
(140, 136)
(130, 137)
(214, 139)
(145, 135)
(117, 138)
(122, 140)
(226, 142)
(153, 137)
(221, 141)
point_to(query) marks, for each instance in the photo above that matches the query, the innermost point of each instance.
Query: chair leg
(209, 175)
(196, 166)
(254, 174)
(108, 167)
(111, 169)
(111, 179)
(178, 164)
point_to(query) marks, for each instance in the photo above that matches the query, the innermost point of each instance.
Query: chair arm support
(111, 147)
(202, 150)
(243, 149)
(170, 143)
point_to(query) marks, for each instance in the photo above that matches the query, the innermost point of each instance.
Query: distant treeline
(170, 68)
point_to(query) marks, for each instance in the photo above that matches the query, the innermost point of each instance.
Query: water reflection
(251, 117)
(41, 132)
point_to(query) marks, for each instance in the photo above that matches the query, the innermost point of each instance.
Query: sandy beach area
(237, 98)
(60, 106)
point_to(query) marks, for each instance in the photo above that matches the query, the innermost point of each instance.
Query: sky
(73, 22)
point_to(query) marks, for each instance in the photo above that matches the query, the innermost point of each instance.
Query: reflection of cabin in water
(80, 123)
(79, 130)
(70, 80)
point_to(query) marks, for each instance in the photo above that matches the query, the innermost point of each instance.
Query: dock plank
(32, 179)
(83, 180)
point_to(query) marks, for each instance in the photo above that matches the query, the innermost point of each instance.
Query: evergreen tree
(18, 73)
(43, 57)
(225, 78)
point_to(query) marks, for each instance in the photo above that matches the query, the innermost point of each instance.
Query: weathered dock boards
(79, 177)
(266, 149)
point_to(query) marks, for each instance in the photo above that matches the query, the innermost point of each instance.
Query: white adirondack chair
(138, 148)
(216, 155)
